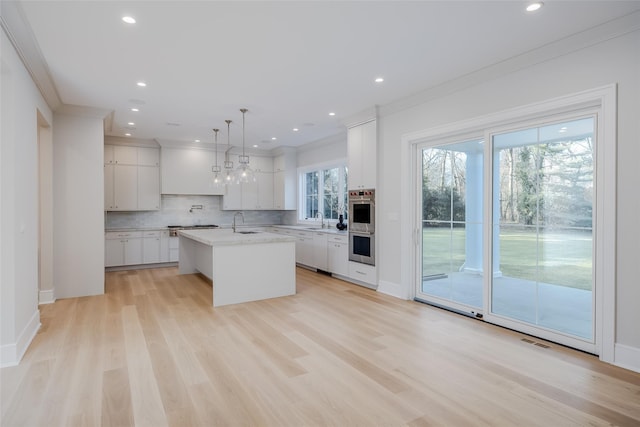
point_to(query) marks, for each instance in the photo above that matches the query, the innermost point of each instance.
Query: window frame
(320, 168)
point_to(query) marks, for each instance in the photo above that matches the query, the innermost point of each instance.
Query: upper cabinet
(131, 178)
(285, 181)
(361, 151)
(188, 171)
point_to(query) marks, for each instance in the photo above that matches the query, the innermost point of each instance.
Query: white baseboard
(627, 357)
(393, 289)
(11, 354)
(46, 297)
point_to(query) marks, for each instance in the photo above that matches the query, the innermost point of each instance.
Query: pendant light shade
(228, 164)
(217, 179)
(244, 174)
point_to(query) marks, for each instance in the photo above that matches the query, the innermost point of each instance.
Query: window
(324, 190)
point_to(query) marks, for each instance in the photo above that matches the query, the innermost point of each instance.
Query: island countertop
(226, 237)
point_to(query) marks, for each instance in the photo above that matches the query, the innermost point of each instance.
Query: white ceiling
(289, 62)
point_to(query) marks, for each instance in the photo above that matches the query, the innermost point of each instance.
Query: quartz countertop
(226, 237)
(314, 229)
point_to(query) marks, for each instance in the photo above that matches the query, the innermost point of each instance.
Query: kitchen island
(243, 266)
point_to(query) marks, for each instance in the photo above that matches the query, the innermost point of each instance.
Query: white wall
(323, 151)
(21, 102)
(78, 194)
(559, 70)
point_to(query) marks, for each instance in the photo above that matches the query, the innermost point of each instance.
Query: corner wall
(78, 194)
(20, 103)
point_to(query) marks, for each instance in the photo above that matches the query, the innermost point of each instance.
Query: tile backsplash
(175, 210)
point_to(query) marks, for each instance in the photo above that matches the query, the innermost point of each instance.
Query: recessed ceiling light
(255, 145)
(532, 7)
(131, 124)
(332, 113)
(129, 19)
(135, 110)
(141, 84)
(296, 129)
(379, 80)
(273, 138)
(127, 134)
(197, 140)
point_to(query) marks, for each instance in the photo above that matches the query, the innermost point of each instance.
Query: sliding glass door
(530, 266)
(543, 182)
(451, 225)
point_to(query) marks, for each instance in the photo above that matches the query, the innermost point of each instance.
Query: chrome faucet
(321, 219)
(234, 220)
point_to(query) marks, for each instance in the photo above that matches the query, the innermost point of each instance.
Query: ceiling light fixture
(228, 164)
(296, 129)
(142, 84)
(217, 181)
(532, 7)
(135, 110)
(129, 19)
(131, 124)
(244, 174)
(273, 138)
(379, 80)
(127, 134)
(197, 140)
(332, 113)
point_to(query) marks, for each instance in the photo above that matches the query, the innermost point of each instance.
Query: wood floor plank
(153, 351)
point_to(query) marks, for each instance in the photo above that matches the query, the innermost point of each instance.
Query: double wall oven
(362, 225)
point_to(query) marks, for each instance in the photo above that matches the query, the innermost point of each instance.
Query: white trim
(46, 297)
(11, 354)
(627, 357)
(393, 289)
(604, 99)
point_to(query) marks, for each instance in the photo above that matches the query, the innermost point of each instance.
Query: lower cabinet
(338, 255)
(320, 251)
(304, 248)
(139, 247)
(123, 248)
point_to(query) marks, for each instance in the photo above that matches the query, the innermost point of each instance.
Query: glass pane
(452, 223)
(543, 270)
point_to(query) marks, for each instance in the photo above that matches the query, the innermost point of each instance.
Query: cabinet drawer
(337, 239)
(151, 233)
(362, 272)
(109, 235)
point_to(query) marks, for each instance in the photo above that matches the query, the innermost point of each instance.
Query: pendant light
(244, 174)
(228, 164)
(217, 179)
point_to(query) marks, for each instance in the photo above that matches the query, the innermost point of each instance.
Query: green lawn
(560, 258)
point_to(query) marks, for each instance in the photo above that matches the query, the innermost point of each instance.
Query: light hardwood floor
(153, 352)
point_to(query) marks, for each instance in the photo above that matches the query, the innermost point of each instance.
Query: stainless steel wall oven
(362, 224)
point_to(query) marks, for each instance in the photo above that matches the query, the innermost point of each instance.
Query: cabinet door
(125, 187)
(164, 246)
(108, 154)
(354, 153)
(368, 156)
(265, 190)
(278, 190)
(132, 251)
(338, 258)
(151, 250)
(113, 252)
(320, 251)
(148, 156)
(174, 249)
(232, 198)
(148, 188)
(250, 194)
(188, 171)
(125, 155)
(109, 202)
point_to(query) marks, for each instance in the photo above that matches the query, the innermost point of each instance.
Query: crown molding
(19, 32)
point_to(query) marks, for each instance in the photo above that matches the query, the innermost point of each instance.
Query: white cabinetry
(361, 151)
(320, 251)
(257, 195)
(188, 171)
(304, 247)
(338, 255)
(363, 273)
(285, 181)
(123, 248)
(151, 247)
(164, 246)
(174, 248)
(129, 186)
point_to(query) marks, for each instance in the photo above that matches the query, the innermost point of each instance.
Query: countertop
(226, 237)
(333, 230)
